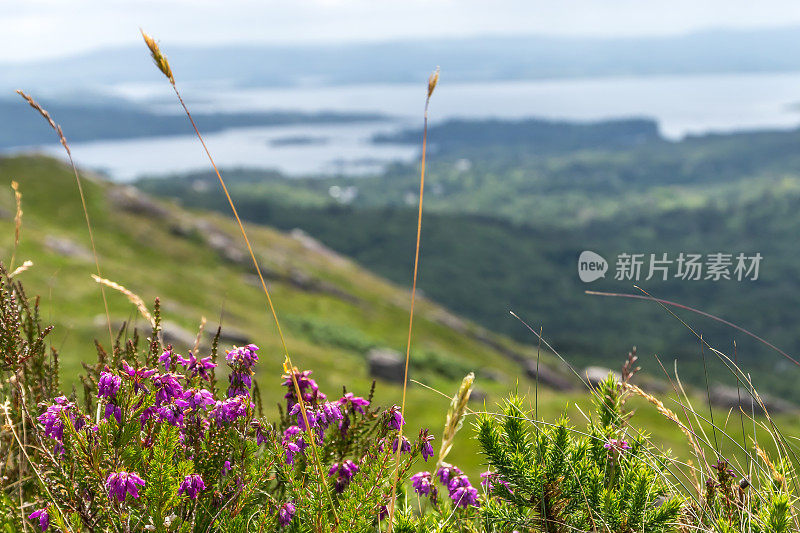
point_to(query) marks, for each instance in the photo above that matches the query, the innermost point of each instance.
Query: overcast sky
(44, 28)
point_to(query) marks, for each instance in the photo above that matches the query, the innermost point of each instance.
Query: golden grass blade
(132, 297)
(433, 80)
(43, 112)
(17, 221)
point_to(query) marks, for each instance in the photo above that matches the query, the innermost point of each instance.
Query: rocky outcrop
(549, 377)
(133, 200)
(731, 398)
(386, 364)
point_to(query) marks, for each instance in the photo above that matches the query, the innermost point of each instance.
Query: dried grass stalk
(22, 268)
(42, 111)
(132, 297)
(17, 220)
(199, 334)
(665, 411)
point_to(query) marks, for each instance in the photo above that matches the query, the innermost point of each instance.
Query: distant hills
(20, 126)
(465, 59)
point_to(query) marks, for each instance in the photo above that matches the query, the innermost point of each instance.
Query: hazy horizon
(42, 29)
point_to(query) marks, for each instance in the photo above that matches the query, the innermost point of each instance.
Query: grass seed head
(433, 80)
(132, 297)
(455, 415)
(159, 58)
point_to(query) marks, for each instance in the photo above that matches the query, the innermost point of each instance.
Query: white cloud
(41, 28)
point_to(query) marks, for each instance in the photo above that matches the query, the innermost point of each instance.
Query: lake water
(681, 104)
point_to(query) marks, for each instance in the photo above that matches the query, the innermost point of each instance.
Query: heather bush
(158, 442)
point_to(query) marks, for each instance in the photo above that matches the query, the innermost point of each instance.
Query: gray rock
(134, 201)
(597, 374)
(181, 339)
(229, 335)
(386, 364)
(478, 395)
(549, 377)
(729, 398)
(66, 247)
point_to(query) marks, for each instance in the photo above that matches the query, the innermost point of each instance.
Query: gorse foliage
(552, 478)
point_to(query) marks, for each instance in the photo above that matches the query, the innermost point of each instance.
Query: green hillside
(332, 311)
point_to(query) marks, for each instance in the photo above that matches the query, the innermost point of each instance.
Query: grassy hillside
(332, 310)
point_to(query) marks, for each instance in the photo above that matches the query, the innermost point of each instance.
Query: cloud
(42, 28)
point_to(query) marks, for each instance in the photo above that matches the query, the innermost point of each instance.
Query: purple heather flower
(51, 418)
(617, 444)
(328, 413)
(108, 385)
(138, 376)
(241, 361)
(446, 472)
(346, 470)
(112, 409)
(226, 467)
(311, 415)
(242, 357)
(261, 436)
(168, 387)
(395, 418)
(120, 484)
(423, 483)
(42, 516)
(462, 492)
(166, 359)
(308, 387)
(172, 412)
(147, 414)
(198, 398)
(197, 367)
(286, 513)
(292, 449)
(291, 432)
(239, 383)
(427, 447)
(405, 447)
(230, 409)
(357, 402)
(192, 485)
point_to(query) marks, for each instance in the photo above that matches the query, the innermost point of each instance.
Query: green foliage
(559, 479)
